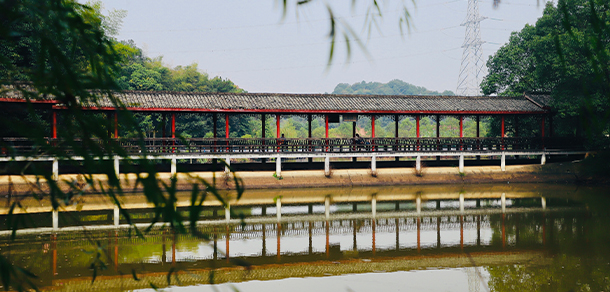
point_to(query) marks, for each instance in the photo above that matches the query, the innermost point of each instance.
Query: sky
(260, 50)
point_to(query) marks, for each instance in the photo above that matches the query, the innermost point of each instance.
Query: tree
(61, 49)
(394, 87)
(565, 54)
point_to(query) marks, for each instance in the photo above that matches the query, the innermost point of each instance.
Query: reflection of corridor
(303, 248)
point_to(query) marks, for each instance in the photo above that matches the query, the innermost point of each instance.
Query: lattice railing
(161, 146)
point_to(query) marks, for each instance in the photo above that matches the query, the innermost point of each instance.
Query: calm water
(565, 248)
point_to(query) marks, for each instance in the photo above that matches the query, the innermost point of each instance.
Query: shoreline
(565, 173)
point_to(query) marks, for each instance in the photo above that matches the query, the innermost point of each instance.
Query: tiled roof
(146, 100)
(321, 103)
(541, 100)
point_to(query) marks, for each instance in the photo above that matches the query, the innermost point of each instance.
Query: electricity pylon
(471, 69)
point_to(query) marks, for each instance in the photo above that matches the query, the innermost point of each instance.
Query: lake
(476, 245)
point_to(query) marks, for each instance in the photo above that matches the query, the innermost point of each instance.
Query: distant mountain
(394, 87)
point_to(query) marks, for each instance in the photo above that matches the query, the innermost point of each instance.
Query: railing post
(543, 159)
(374, 206)
(228, 213)
(173, 166)
(55, 170)
(278, 167)
(278, 208)
(227, 165)
(461, 164)
(327, 166)
(418, 204)
(116, 215)
(55, 218)
(503, 202)
(116, 166)
(543, 201)
(418, 163)
(462, 203)
(327, 206)
(503, 162)
(374, 165)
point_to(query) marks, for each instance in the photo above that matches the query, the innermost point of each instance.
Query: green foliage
(63, 49)
(567, 53)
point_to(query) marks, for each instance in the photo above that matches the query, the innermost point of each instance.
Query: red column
(461, 132)
(173, 125)
(373, 126)
(461, 126)
(173, 130)
(417, 125)
(277, 122)
(116, 125)
(326, 122)
(54, 125)
(502, 126)
(227, 126)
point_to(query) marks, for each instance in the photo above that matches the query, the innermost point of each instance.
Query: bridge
(220, 108)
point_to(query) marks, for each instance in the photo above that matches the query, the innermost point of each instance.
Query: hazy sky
(249, 43)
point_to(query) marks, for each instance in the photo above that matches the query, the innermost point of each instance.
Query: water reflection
(562, 248)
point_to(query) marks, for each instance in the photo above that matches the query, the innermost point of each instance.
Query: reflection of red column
(279, 231)
(503, 231)
(462, 232)
(418, 235)
(174, 249)
(116, 250)
(327, 239)
(227, 237)
(373, 227)
(54, 249)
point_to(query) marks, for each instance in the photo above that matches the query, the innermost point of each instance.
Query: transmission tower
(472, 59)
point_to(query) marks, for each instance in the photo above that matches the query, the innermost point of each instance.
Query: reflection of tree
(564, 273)
(576, 243)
